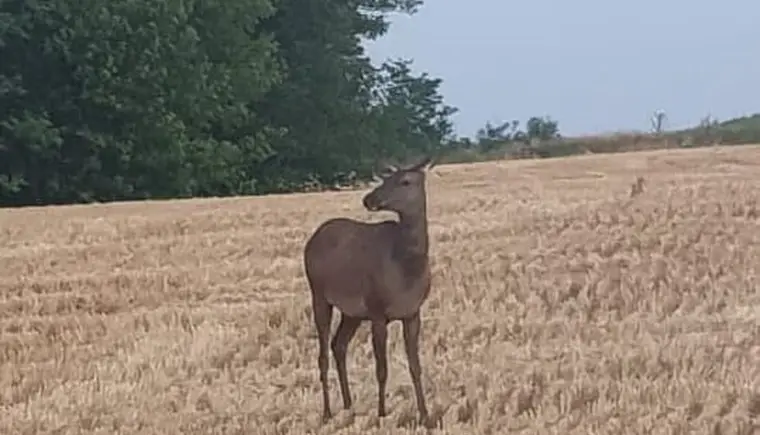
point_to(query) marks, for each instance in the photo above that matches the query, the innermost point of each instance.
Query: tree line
(104, 100)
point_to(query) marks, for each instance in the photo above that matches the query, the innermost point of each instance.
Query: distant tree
(493, 136)
(658, 121)
(539, 129)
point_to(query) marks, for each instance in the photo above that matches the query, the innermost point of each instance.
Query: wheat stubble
(560, 304)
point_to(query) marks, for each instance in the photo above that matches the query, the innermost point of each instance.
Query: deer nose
(370, 203)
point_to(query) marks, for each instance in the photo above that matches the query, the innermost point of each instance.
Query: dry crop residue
(560, 304)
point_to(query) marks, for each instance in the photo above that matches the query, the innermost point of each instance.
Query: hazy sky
(593, 65)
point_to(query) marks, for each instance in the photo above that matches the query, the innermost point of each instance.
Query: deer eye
(405, 182)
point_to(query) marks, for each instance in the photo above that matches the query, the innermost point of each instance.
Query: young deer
(375, 272)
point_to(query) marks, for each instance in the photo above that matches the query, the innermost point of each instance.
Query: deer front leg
(379, 345)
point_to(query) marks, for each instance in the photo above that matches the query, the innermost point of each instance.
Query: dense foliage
(128, 99)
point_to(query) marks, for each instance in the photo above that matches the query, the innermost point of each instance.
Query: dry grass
(561, 304)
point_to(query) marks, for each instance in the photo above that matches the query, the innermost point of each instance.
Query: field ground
(561, 304)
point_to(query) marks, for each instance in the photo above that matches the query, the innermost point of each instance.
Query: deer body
(360, 266)
(376, 272)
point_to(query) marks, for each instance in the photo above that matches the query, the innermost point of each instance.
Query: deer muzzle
(371, 203)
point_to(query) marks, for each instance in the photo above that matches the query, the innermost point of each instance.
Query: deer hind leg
(323, 319)
(379, 345)
(411, 344)
(344, 334)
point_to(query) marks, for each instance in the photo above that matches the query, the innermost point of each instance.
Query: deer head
(402, 190)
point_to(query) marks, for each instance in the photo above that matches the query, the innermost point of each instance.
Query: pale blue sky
(593, 65)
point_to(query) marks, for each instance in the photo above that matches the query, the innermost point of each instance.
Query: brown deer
(377, 272)
(637, 188)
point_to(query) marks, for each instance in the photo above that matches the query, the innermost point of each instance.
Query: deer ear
(432, 161)
(387, 172)
(425, 164)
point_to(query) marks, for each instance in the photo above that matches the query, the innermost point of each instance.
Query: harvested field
(561, 304)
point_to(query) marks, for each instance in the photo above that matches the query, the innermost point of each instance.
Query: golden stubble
(562, 303)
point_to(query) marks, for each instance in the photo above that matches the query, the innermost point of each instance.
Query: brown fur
(637, 188)
(376, 272)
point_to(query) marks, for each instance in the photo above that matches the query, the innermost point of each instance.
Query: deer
(637, 188)
(373, 272)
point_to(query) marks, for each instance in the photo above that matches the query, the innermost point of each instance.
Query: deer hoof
(326, 416)
(428, 422)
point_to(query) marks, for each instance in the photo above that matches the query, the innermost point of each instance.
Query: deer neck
(413, 235)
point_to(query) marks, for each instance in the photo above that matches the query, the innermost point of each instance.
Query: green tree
(413, 117)
(491, 137)
(340, 113)
(541, 129)
(125, 99)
